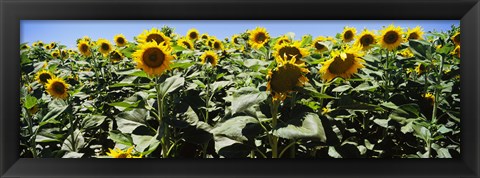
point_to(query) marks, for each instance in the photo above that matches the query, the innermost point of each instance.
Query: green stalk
(33, 144)
(207, 101)
(160, 119)
(274, 139)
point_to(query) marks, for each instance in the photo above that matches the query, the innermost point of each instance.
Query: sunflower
(235, 39)
(415, 33)
(281, 40)
(217, 45)
(287, 51)
(64, 54)
(153, 58)
(258, 37)
(429, 97)
(343, 63)
(456, 38)
(57, 88)
(391, 37)
(84, 48)
(185, 43)
(52, 45)
(55, 54)
(366, 39)
(43, 76)
(116, 55)
(204, 36)
(285, 78)
(104, 46)
(48, 47)
(406, 53)
(193, 34)
(24, 46)
(86, 38)
(318, 44)
(420, 69)
(120, 40)
(118, 153)
(456, 51)
(348, 34)
(153, 35)
(39, 44)
(209, 57)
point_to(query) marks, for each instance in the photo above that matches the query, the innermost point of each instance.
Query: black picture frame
(12, 11)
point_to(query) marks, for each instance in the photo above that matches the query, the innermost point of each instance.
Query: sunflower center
(187, 44)
(235, 40)
(58, 87)
(105, 47)
(193, 35)
(155, 37)
(153, 57)
(391, 37)
(413, 36)
(122, 155)
(348, 35)
(366, 40)
(210, 59)
(116, 56)
(260, 37)
(339, 66)
(285, 78)
(457, 38)
(44, 77)
(120, 40)
(84, 48)
(319, 46)
(216, 45)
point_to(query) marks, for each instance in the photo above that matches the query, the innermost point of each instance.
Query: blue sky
(67, 31)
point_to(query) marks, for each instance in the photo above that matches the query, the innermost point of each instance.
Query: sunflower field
(372, 93)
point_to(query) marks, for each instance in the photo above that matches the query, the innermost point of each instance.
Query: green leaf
(245, 98)
(181, 65)
(235, 128)
(30, 102)
(119, 137)
(128, 121)
(404, 112)
(310, 127)
(171, 84)
(74, 142)
(341, 88)
(92, 121)
(419, 47)
(55, 109)
(365, 87)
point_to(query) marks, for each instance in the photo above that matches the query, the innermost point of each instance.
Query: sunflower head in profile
(153, 58)
(193, 34)
(429, 97)
(154, 35)
(104, 46)
(287, 51)
(366, 40)
(57, 88)
(24, 46)
(86, 38)
(55, 54)
(52, 45)
(48, 47)
(217, 45)
(281, 40)
(118, 153)
(84, 48)
(456, 38)
(258, 37)
(120, 40)
(285, 78)
(318, 44)
(348, 34)
(43, 76)
(116, 55)
(209, 57)
(415, 33)
(185, 43)
(391, 37)
(40, 44)
(343, 63)
(456, 51)
(420, 69)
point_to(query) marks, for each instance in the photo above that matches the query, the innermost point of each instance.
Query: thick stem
(274, 138)
(164, 140)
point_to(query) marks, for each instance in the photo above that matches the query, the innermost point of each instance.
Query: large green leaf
(405, 112)
(30, 102)
(55, 109)
(309, 127)
(128, 121)
(245, 98)
(92, 121)
(74, 142)
(236, 128)
(171, 84)
(119, 137)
